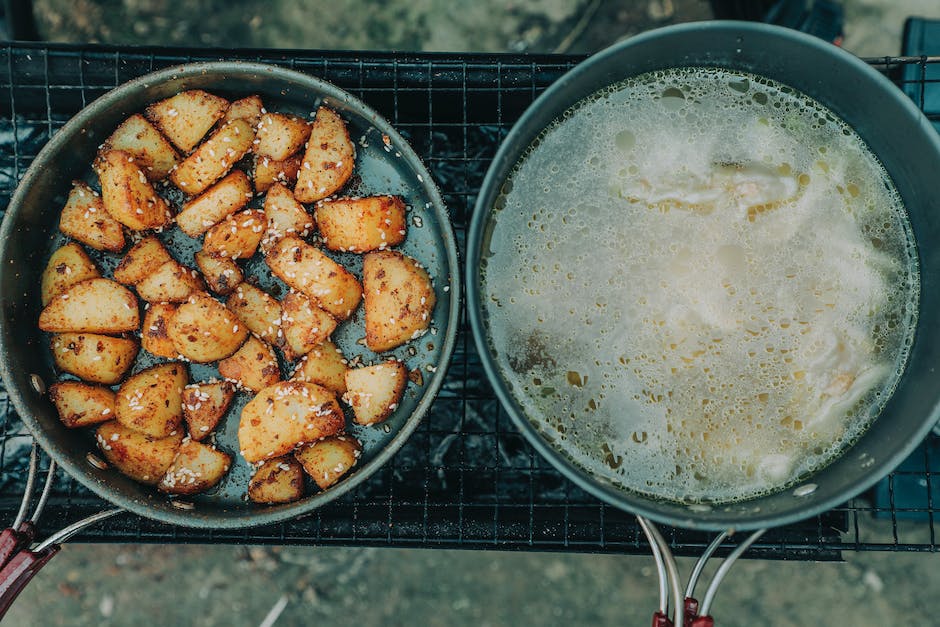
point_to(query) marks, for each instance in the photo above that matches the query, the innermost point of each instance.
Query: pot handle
(19, 571)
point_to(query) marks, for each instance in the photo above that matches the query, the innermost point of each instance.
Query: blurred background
(231, 585)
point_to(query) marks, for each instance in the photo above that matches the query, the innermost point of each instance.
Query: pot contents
(700, 284)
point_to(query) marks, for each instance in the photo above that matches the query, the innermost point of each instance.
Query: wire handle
(686, 610)
(19, 559)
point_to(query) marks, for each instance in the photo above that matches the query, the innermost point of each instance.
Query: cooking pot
(896, 132)
(892, 127)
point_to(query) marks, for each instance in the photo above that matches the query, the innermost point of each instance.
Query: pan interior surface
(385, 164)
(835, 80)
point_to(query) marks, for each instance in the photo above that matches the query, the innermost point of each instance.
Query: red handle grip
(19, 571)
(14, 540)
(691, 611)
(661, 620)
(703, 621)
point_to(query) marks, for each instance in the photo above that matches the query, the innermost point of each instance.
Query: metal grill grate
(466, 478)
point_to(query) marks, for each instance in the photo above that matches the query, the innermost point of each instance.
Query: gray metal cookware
(894, 129)
(29, 233)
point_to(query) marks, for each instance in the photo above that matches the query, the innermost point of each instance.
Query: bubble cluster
(700, 284)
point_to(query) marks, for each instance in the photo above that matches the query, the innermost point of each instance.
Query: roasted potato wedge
(260, 312)
(153, 334)
(67, 266)
(222, 199)
(93, 306)
(374, 392)
(186, 117)
(399, 299)
(267, 171)
(253, 366)
(151, 401)
(85, 219)
(203, 330)
(139, 456)
(327, 460)
(196, 468)
(304, 324)
(323, 365)
(249, 108)
(143, 259)
(204, 405)
(286, 415)
(171, 283)
(279, 135)
(128, 196)
(278, 480)
(151, 151)
(359, 225)
(80, 404)
(95, 358)
(329, 158)
(214, 158)
(237, 236)
(306, 269)
(286, 216)
(222, 275)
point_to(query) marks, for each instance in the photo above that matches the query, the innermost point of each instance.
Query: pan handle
(25, 563)
(19, 571)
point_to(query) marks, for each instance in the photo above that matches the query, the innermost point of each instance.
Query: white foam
(700, 284)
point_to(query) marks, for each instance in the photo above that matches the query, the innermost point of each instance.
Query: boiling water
(700, 284)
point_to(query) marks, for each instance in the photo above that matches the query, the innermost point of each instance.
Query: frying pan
(893, 128)
(385, 164)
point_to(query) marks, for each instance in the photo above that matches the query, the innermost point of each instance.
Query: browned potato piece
(247, 108)
(128, 196)
(327, 460)
(278, 480)
(222, 275)
(267, 171)
(323, 365)
(95, 358)
(253, 366)
(279, 135)
(67, 266)
(151, 401)
(171, 283)
(196, 468)
(260, 312)
(143, 259)
(238, 236)
(203, 330)
(85, 220)
(80, 404)
(214, 157)
(139, 456)
(306, 269)
(186, 117)
(94, 306)
(153, 334)
(359, 225)
(329, 158)
(304, 324)
(222, 199)
(286, 216)
(374, 391)
(286, 415)
(399, 299)
(204, 405)
(141, 140)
